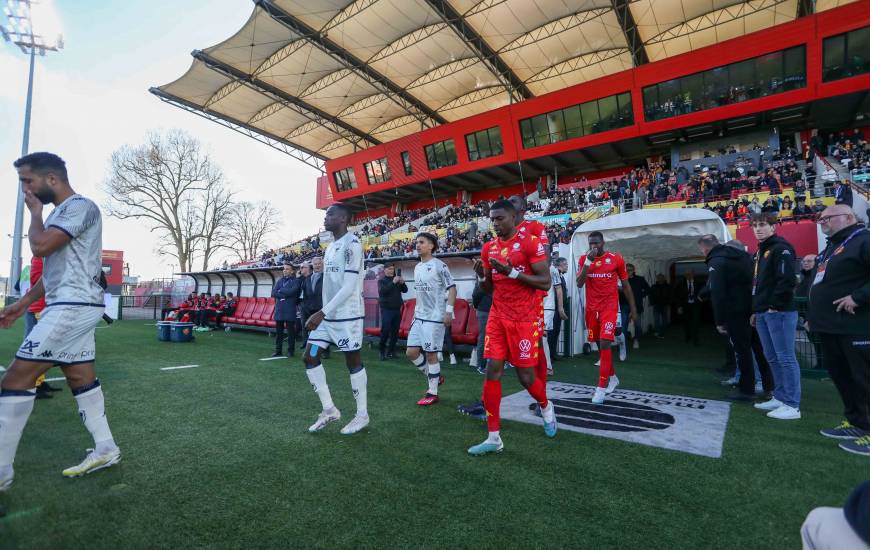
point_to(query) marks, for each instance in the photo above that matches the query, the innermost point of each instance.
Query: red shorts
(601, 323)
(515, 341)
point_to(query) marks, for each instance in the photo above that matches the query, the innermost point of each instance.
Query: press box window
(441, 154)
(377, 171)
(344, 179)
(484, 144)
(406, 163)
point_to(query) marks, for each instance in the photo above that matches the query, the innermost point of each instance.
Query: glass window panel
(527, 133)
(573, 122)
(406, 163)
(795, 68)
(626, 116)
(769, 73)
(742, 79)
(608, 112)
(691, 89)
(556, 125)
(495, 141)
(471, 142)
(430, 157)
(542, 131)
(589, 112)
(449, 152)
(369, 172)
(651, 102)
(716, 88)
(483, 144)
(834, 57)
(858, 51)
(669, 98)
(385, 169)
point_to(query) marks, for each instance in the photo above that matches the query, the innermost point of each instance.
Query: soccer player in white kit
(433, 314)
(70, 241)
(340, 321)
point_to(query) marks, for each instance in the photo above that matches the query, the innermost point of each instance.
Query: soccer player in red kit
(514, 266)
(600, 271)
(536, 228)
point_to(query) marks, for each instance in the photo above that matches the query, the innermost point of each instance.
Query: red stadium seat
(252, 318)
(472, 330)
(373, 331)
(460, 318)
(241, 307)
(407, 317)
(267, 314)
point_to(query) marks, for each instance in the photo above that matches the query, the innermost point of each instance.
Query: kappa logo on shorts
(46, 354)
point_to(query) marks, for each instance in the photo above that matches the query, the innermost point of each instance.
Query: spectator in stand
(689, 306)
(312, 295)
(818, 207)
(843, 193)
(839, 311)
(286, 292)
(390, 289)
(482, 302)
(640, 288)
(801, 210)
(775, 315)
(661, 298)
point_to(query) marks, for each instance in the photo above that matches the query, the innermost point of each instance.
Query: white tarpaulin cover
(650, 239)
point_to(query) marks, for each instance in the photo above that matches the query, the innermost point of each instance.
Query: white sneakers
(785, 412)
(355, 425)
(623, 353)
(452, 359)
(324, 418)
(611, 384)
(598, 398)
(94, 462)
(779, 410)
(771, 405)
(598, 363)
(636, 344)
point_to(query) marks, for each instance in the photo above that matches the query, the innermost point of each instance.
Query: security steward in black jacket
(390, 289)
(729, 283)
(839, 311)
(287, 292)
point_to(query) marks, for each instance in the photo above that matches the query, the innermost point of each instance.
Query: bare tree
(174, 185)
(252, 223)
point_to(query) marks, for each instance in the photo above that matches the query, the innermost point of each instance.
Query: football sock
(606, 369)
(15, 409)
(549, 412)
(541, 366)
(538, 391)
(358, 382)
(420, 363)
(93, 413)
(494, 437)
(317, 378)
(492, 404)
(434, 377)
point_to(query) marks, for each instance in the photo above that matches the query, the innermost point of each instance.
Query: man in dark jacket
(843, 193)
(689, 305)
(640, 288)
(390, 289)
(287, 292)
(482, 302)
(729, 282)
(839, 311)
(660, 298)
(312, 292)
(775, 316)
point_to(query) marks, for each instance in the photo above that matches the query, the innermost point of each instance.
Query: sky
(92, 97)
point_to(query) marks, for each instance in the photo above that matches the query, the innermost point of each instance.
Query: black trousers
(280, 327)
(692, 321)
(847, 359)
(745, 340)
(553, 335)
(390, 319)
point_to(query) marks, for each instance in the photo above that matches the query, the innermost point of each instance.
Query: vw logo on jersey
(608, 326)
(525, 345)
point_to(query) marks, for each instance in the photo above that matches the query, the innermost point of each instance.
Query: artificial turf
(219, 456)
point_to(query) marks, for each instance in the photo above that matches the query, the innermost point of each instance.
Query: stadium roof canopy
(319, 79)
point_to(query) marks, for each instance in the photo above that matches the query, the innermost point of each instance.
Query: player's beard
(45, 196)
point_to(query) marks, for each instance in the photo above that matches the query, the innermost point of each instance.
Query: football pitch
(218, 456)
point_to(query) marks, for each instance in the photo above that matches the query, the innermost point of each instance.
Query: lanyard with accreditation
(823, 263)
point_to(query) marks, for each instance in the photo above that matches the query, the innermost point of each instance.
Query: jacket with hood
(729, 282)
(774, 274)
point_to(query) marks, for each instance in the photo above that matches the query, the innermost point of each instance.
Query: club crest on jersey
(607, 260)
(516, 246)
(598, 263)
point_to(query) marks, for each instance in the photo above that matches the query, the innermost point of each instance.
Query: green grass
(218, 456)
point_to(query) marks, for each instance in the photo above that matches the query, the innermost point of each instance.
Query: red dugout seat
(251, 318)
(267, 314)
(472, 330)
(407, 317)
(460, 318)
(243, 305)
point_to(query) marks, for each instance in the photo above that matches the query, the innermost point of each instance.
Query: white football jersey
(344, 255)
(71, 274)
(432, 280)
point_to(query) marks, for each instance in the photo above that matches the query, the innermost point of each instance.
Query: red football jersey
(602, 291)
(511, 299)
(536, 228)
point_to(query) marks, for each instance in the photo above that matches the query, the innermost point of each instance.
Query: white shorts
(427, 335)
(64, 335)
(345, 335)
(549, 315)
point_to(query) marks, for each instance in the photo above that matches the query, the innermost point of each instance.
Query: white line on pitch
(181, 367)
(273, 358)
(60, 379)
(2, 368)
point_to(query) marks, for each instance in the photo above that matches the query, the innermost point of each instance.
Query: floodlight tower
(34, 27)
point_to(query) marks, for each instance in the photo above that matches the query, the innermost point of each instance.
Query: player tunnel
(653, 240)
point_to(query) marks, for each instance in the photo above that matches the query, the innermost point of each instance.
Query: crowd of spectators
(850, 149)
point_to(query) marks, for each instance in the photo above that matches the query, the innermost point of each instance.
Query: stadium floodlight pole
(22, 19)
